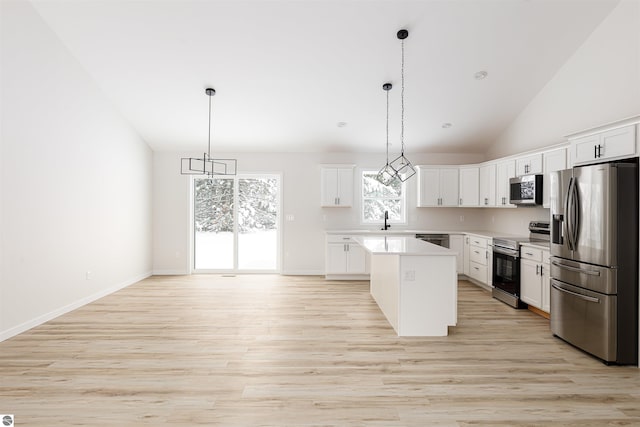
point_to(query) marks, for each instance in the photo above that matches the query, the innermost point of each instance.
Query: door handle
(575, 294)
(576, 269)
(537, 270)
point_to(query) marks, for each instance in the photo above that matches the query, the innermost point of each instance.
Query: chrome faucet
(386, 218)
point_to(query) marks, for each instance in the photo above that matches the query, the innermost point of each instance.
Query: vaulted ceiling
(307, 75)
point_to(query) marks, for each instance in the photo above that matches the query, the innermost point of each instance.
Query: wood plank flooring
(300, 351)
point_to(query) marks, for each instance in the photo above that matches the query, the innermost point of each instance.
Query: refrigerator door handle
(567, 226)
(576, 215)
(576, 269)
(575, 294)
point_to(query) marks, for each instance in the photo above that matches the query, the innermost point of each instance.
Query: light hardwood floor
(300, 351)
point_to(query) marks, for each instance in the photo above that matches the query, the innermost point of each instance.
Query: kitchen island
(414, 283)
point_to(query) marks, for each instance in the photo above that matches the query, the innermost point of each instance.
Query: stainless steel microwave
(526, 190)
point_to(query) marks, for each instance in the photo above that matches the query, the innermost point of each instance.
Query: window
(378, 198)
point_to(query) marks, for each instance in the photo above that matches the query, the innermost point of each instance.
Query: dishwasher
(436, 239)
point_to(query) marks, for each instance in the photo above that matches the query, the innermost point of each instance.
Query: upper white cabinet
(505, 170)
(612, 144)
(530, 164)
(336, 185)
(469, 186)
(554, 160)
(488, 185)
(437, 186)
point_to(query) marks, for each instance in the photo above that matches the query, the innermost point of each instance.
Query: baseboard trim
(170, 272)
(539, 312)
(302, 273)
(30, 324)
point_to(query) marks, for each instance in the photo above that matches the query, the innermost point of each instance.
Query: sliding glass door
(236, 223)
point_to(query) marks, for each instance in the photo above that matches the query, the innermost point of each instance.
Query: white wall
(303, 238)
(75, 181)
(599, 84)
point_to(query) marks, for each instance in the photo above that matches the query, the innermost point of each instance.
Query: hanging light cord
(402, 101)
(387, 128)
(209, 141)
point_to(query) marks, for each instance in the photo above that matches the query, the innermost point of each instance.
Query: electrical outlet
(410, 275)
(89, 275)
(289, 217)
(461, 218)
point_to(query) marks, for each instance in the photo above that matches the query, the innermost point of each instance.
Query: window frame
(402, 198)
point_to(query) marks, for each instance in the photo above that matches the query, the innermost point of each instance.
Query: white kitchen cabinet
(488, 185)
(479, 259)
(546, 281)
(505, 170)
(554, 160)
(456, 243)
(609, 145)
(530, 164)
(336, 185)
(534, 277)
(466, 261)
(437, 186)
(490, 265)
(344, 256)
(469, 186)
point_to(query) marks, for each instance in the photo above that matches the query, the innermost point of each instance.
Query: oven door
(506, 270)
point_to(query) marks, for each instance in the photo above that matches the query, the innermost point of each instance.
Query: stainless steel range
(506, 263)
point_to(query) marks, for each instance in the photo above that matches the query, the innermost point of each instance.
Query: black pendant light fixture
(387, 174)
(402, 166)
(206, 165)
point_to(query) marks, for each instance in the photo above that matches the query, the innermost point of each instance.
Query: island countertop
(401, 245)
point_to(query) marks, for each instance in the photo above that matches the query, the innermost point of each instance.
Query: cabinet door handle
(537, 269)
(595, 151)
(541, 269)
(460, 201)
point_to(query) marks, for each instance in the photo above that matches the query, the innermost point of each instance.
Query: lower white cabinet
(344, 257)
(479, 259)
(466, 262)
(534, 277)
(456, 243)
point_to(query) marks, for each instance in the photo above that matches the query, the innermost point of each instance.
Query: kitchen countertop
(391, 232)
(401, 245)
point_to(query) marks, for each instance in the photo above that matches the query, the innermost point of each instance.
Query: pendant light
(387, 174)
(206, 165)
(403, 167)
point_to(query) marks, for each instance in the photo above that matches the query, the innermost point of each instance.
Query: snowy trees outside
(378, 198)
(214, 204)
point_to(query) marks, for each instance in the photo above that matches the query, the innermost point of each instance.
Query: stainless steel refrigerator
(594, 259)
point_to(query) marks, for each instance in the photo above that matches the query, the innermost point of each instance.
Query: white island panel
(414, 283)
(428, 295)
(385, 286)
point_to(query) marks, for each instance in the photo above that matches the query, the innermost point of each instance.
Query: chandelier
(206, 165)
(399, 167)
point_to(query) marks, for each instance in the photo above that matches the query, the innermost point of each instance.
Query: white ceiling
(286, 72)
